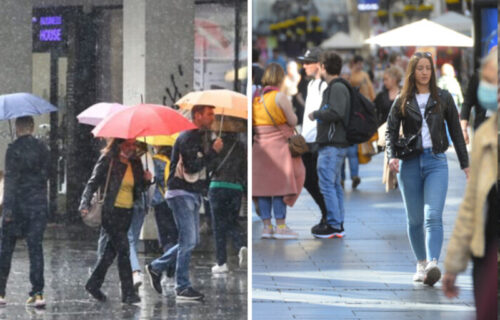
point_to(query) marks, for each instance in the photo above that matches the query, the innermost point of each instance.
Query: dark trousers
(310, 160)
(116, 224)
(486, 268)
(165, 224)
(32, 224)
(225, 204)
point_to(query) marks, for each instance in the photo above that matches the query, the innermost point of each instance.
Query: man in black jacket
(25, 206)
(331, 138)
(187, 182)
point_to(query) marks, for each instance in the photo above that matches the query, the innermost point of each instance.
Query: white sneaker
(285, 233)
(220, 269)
(419, 276)
(267, 232)
(3, 302)
(432, 273)
(138, 279)
(243, 255)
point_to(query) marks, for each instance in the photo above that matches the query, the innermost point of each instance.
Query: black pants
(32, 225)
(486, 268)
(225, 204)
(310, 160)
(116, 224)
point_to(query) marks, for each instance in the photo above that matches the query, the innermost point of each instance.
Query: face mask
(487, 95)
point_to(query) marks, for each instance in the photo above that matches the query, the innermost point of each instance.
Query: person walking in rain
(119, 165)
(227, 184)
(25, 206)
(423, 109)
(186, 184)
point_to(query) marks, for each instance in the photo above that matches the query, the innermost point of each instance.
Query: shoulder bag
(296, 143)
(407, 147)
(93, 218)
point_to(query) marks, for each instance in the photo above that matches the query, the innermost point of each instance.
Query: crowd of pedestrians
(419, 117)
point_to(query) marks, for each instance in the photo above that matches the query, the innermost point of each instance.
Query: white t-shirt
(422, 99)
(314, 97)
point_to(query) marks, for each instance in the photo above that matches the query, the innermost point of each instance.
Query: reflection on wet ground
(67, 264)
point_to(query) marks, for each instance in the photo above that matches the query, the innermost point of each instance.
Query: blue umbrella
(21, 104)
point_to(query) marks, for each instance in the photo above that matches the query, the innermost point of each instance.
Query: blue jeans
(186, 214)
(330, 161)
(423, 183)
(138, 214)
(225, 204)
(352, 157)
(34, 223)
(166, 227)
(268, 204)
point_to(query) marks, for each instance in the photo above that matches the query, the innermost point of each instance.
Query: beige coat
(468, 237)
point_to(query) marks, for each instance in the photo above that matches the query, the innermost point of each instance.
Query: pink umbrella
(141, 121)
(94, 114)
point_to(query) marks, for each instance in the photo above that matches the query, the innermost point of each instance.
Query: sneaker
(355, 182)
(329, 232)
(432, 273)
(3, 302)
(96, 293)
(267, 232)
(318, 228)
(154, 278)
(189, 294)
(36, 301)
(137, 278)
(220, 268)
(243, 257)
(283, 232)
(419, 276)
(131, 299)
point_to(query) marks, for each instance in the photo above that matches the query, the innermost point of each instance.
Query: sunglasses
(422, 54)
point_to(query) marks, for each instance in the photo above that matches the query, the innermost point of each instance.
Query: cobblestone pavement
(366, 275)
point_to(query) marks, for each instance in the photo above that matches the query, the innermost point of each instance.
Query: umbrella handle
(221, 123)
(10, 129)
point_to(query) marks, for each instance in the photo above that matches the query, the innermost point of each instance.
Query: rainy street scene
(384, 201)
(123, 159)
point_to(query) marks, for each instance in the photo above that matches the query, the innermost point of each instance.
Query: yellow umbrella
(167, 140)
(226, 102)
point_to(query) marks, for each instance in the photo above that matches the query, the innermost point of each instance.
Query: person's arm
(285, 105)
(11, 181)
(337, 107)
(392, 134)
(98, 177)
(193, 158)
(451, 116)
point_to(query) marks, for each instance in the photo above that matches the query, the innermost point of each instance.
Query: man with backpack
(332, 141)
(345, 118)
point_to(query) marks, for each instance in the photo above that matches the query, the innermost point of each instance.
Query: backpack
(363, 121)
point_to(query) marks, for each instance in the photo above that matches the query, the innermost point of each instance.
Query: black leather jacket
(437, 115)
(118, 169)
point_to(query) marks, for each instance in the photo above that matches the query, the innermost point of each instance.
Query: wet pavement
(67, 264)
(366, 275)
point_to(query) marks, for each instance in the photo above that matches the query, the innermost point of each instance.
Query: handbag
(93, 218)
(296, 143)
(407, 147)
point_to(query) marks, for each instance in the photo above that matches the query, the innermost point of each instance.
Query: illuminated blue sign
(51, 21)
(50, 35)
(368, 5)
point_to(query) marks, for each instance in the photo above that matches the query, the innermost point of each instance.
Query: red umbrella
(142, 120)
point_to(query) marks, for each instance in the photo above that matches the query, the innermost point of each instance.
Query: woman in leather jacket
(127, 180)
(422, 109)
